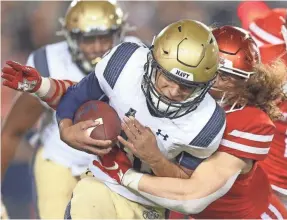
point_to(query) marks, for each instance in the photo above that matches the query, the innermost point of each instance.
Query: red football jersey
(276, 163)
(264, 24)
(248, 134)
(249, 198)
(270, 53)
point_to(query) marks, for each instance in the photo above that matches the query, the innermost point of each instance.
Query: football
(110, 123)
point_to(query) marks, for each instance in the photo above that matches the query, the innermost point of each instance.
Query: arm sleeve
(188, 161)
(87, 89)
(248, 11)
(250, 140)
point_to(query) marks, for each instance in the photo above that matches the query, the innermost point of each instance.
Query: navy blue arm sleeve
(87, 89)
(188, 161)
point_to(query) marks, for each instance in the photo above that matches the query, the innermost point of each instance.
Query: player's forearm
(51, 90)
(9, 145)
(166, 187)
(171, 193)
(63, 125)
(166, 168)
(16, 125)
(210, 180)
(172, 188)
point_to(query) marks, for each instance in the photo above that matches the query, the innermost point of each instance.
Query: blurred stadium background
(28, 25)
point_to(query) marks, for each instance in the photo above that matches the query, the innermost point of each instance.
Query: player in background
(91, 28)
(270, 30)
(165, 87)
(237, 187)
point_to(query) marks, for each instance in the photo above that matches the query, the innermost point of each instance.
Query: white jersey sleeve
(109, 69)
(30, 61)
(206, 142)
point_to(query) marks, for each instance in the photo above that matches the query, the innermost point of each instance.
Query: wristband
(131, 179)
(44, 88)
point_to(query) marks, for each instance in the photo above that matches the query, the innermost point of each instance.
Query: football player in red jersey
(270, 32)
(268, 29)
(248, 93)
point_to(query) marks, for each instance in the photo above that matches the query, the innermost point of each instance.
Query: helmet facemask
(79, 57)
(92, 19)
(162, 106)
(223, 100)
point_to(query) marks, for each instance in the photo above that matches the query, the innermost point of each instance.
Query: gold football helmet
(187, 53)
(88, 19)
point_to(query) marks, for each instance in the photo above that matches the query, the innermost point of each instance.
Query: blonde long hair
(264, 89)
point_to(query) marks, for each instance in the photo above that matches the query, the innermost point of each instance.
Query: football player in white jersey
(165, 88)
(91, 28)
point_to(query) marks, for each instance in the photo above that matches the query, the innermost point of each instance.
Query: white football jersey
(198, 133)
(61, 66)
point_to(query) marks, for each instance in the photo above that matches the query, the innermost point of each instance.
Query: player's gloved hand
(21, 78)
(115, 164)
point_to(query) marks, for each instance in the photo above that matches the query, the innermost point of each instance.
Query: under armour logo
(159, 133)
(131, 112)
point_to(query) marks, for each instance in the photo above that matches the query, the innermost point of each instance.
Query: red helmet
(238, 51)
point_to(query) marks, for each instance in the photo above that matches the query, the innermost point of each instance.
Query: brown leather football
(110, 123)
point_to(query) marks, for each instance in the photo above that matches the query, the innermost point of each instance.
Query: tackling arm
(248, 11)
(211, 180)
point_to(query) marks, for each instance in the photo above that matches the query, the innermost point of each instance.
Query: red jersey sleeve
(248, 134)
